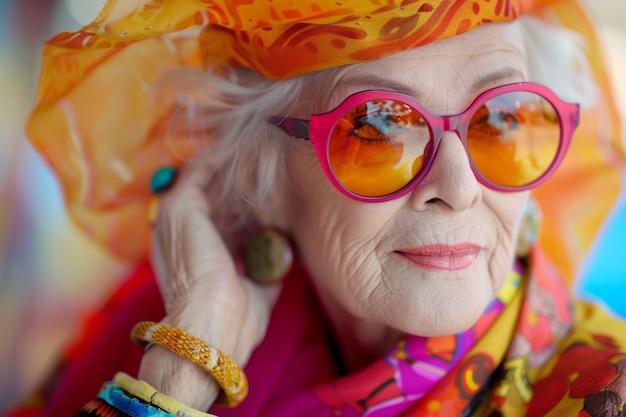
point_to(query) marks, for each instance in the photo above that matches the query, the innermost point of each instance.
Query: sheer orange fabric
(99, 125)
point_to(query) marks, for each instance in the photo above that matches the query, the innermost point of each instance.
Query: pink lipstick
(443, 257)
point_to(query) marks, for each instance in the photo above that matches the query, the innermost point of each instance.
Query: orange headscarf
(282, 39)
(100, 129)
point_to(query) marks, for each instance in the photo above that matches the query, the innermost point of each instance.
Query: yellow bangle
(146, 393)
(228, 375)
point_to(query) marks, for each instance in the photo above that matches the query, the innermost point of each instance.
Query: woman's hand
(202, 291)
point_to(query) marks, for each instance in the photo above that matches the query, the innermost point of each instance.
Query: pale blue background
(604, 274)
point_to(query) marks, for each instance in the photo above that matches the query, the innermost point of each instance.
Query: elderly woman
(355, 232)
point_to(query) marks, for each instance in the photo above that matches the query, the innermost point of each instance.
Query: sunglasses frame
(319, 128)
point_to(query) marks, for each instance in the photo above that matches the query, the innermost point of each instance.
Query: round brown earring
(268, 256)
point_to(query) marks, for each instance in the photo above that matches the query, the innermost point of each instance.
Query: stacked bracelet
(125, 391)
(228, 375)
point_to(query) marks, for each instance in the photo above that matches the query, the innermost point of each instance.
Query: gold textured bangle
(228, 375)
(146, 393)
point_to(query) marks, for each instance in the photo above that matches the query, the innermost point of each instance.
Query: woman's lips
(443, 257)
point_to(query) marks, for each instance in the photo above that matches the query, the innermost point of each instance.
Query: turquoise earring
(162, 180)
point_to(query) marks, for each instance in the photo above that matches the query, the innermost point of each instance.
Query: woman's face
(427, 263)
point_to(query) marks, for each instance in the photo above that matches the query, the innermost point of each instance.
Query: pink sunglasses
(379, 145)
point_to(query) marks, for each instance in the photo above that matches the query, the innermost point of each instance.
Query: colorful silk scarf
(408, 373)
(281, 39)
(532, 353)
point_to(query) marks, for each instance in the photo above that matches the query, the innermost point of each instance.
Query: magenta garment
(296, 340)
(293, 372)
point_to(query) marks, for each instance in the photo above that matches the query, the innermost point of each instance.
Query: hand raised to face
(202, 291)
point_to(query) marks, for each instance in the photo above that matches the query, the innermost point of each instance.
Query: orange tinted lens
(377, 147)
(513, 138)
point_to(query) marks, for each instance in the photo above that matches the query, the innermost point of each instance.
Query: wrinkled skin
(352, 248)
(373, 294)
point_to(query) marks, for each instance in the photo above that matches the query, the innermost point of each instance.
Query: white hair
(247, 160)
(556, 57)
(230, 116)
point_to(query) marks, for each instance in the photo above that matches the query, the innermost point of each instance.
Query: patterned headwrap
(101, 129)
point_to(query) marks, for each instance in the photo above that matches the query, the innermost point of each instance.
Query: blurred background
(51, 274)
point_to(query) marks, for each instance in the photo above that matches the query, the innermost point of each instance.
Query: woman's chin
(445, 327)
(441, 313)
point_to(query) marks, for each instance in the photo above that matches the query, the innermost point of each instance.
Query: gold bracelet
(228, 375)
(146, 393)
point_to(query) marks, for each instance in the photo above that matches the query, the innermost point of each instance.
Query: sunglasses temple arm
(297, 128)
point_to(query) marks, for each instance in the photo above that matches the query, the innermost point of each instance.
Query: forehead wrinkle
(375, 82)
(494, 57)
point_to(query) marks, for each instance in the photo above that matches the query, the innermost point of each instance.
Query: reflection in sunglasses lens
(378, 147)
(513, 138)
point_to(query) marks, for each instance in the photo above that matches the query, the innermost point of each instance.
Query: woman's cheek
(362, 273)
(507, 210)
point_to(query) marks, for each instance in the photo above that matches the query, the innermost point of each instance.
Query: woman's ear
(268, 253)
(273, 210)
(270, 183)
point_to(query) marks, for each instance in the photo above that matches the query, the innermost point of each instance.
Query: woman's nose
(450, 184)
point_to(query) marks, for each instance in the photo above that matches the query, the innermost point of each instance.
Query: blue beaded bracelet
(117, 398)
(140, 399)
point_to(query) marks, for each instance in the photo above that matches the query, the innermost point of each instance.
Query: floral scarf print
(532, 353)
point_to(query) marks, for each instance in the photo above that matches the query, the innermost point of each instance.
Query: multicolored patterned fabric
(100, 408)
(281, 39)
(554, 364)
(532, 353)
(410, 371)
(100, 127)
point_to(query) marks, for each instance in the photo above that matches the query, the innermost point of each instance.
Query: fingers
(189, 256)
(192, 266)
(199, 282)
(187, 250)
(202, 290)
(177, 378)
